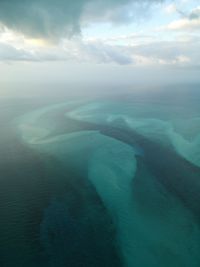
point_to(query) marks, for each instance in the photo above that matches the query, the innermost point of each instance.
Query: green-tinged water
(100, 182)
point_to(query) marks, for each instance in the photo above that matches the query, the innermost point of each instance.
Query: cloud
(183, 52)
(52, 19)
(100, 52)
(136, 49)
(10, 53)
(195, 14)
(189, 22)
(184, 25)
(170, 9)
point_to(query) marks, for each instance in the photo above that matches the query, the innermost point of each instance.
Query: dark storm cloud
(54, 18)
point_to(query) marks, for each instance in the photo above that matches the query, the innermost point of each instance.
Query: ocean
(101, 180)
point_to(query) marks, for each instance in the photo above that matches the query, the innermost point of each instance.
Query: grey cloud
(10, 53)
(52, 19)
(176, 53)
(195, 14)
(102, 53)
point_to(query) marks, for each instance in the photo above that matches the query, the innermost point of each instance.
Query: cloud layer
(172, 40)
(52, 19)
(183, 52)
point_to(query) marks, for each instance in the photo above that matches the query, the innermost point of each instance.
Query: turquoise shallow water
(100, 182)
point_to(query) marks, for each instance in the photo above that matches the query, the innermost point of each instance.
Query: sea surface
(101, 181)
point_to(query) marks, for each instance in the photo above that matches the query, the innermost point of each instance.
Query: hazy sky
(118, 41)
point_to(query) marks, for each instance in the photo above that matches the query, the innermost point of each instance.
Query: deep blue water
(101, 181)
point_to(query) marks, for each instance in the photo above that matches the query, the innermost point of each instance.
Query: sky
(99, 41)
